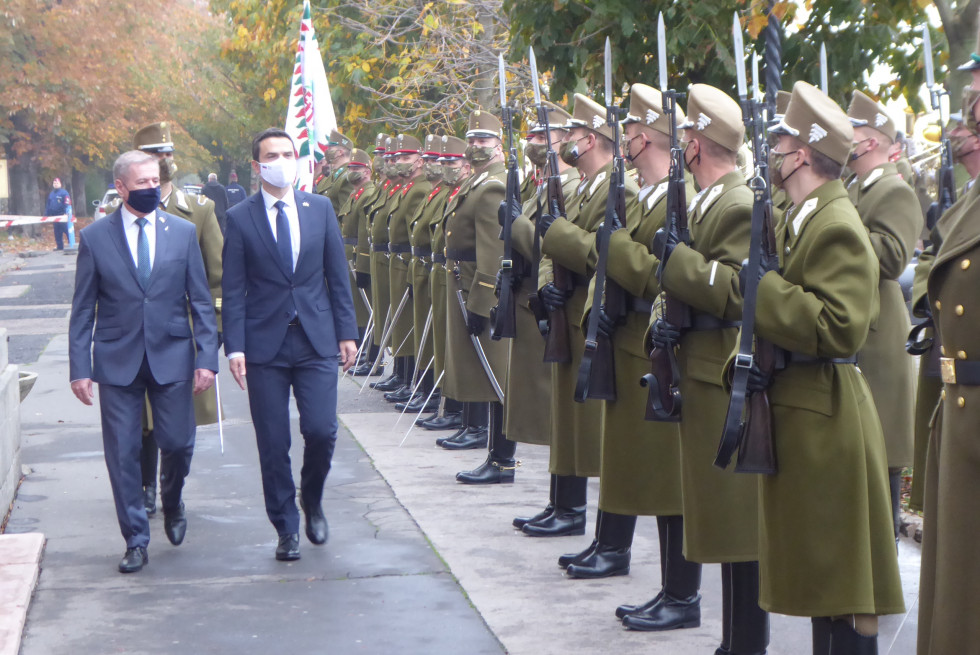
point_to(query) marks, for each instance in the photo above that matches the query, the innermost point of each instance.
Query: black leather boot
(845, 640)
(400, 396)
(500, 463)
(568, 517)
(451, 419)
(395, 381)
(463, 426)
(679, 604)
(611, 556)
(572, 558)
(623, 610)
(520, 521)
(477, 435)
(821, 626)
(366, 362)
(895, 486)
(750, 623)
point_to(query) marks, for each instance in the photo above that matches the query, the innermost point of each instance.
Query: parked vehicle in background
(192, 189)
(107, 205)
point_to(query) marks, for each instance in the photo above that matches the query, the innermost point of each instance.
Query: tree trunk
(79, 199)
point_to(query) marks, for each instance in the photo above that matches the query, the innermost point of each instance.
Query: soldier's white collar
(873, 177)
(651, 194)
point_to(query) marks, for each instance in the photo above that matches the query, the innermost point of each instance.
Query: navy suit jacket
(259, 295)
(130, 321)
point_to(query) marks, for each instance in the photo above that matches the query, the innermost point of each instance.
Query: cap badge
(597, 122)
(703, 121)
(817, 133)
(652, 116)
(880, 120)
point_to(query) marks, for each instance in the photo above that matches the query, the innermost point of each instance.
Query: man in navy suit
(288, 311)
(140, 282)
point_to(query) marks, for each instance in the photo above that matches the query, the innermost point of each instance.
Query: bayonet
(739, 57)
(535, 84)
(927, 53)
(502, 75)
(755, 76)
(824, 85)
(608, 65)
(662, 52)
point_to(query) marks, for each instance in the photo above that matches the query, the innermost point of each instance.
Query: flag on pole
(309, 116)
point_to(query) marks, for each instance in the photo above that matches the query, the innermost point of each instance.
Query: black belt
(701, 322)
(461, 255)
(421, 251)
(640, 306)
(379, 247)
(958, 371)
(803, 358)
(350, 241)
(399, 247)
(438, 258)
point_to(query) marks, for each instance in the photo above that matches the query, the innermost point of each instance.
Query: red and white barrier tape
(10, 221)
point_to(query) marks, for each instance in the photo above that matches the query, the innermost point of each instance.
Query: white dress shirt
(292, 217)
(132, 231)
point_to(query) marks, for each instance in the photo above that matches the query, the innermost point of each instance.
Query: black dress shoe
(491, 471)
(454, 436)
(425, 419)
(603, 562)
(374, 385)
(520, 521)
(472, 439)
(407, 405)
(150, 500)
(134, 560)
(573, 558)
(316, 524)
(362, 370)
(418, 404)
(452, 421)
(562, 522)
(392, 383)
(623, 610)
(401, 395)
(175, 525)
(668, 614)
(288, 548)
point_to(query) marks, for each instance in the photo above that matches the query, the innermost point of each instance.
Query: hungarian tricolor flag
(310, 116)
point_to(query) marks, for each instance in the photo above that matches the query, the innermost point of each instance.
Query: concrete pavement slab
(20, 558)
(514, 581)
(376, 587)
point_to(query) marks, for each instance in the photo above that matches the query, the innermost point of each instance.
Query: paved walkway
(415, 564)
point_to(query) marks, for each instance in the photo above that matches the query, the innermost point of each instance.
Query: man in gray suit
(140, 283)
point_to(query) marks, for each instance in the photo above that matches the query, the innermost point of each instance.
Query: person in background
(58, 204)
(215, 190)
(235, 192)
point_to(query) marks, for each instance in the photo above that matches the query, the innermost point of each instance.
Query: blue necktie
(143, 254)
(283, 237)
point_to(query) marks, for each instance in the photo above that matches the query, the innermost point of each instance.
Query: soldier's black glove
(606, 325)
(664, 335)
(515, 282)
(363, 280)
(758, 380)
(552, 297)
(515, 209)
(664, 241)
(545, 221)
(475, 324)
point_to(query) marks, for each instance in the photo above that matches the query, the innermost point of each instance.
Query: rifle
(597, 372)
(664, 396)
(553, 325)
(748, 424)
(503, 317)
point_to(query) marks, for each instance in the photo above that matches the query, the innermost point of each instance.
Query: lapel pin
(306, 204)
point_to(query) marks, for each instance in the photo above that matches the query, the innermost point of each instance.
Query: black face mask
(855, 157)
(696, 158)
(144, 200)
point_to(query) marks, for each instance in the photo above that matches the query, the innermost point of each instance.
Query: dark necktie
(283, 237)
(143, 254)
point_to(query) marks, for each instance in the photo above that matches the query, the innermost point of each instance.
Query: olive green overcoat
(437, 284)
(889, 209)
(720, 508)
(827, 545)
(949, 591)
(378, 213)
(420, 269)
(471, 227)
(412, 195)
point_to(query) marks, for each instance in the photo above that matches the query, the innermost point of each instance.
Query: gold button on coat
(961, 401)
(960, 354)
(965, 264)
(939, 305)
(959, 310)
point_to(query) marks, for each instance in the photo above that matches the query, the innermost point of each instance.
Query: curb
(20, 566)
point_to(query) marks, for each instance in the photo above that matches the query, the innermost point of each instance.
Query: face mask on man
(479, 155)
(433, 171)
(356, 177)
(168, 169)
(144, 200)
(404, 169)
(452, 174)
(537, 153)
(279, 173)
